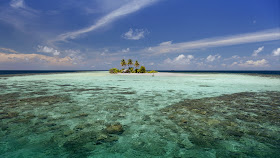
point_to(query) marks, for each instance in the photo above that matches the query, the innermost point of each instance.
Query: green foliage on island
(114, 71)
(129, 62)
(136, 64)
(142, 69)
(123, 63)
(130, 69)
(153, 71)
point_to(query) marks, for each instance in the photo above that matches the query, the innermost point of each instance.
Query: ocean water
(97, 114)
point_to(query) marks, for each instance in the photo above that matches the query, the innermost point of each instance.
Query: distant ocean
(11, 72)
(224, 71)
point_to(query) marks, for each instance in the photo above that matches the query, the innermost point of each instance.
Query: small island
(132, 68)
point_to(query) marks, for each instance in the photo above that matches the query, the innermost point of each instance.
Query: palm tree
(136, 64)
(129, 62)
(123, 63)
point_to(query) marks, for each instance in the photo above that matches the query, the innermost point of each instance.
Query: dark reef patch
(84, 90)
(204, 86)
(65, 85)
(127, 92)
(4, 98)
(235, 117)
(45, 100)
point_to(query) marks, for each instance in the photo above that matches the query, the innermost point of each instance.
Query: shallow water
(96, 114)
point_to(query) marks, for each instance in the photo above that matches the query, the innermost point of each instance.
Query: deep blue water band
(238, 72)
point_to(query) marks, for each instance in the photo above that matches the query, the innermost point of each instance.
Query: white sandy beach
(167, 74)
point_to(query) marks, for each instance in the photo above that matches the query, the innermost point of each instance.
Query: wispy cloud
(35, 58)
(276, 52)
(76, 56)
(126, 9)
(167, 43)
(9, 50)
(235, 57)
(20, 5)
(262, 36)
(136, 34)
(256, 52)
(18, 14)
(104, 52)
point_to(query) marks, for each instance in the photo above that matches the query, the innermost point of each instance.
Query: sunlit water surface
(96, 114)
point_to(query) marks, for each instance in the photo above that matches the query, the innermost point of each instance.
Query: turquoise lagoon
(96, 114)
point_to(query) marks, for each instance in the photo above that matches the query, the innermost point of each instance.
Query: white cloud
(136, 34)
(234, 63)
(17, 4)
(126, 50)
(251, 63)
(276, 52)
(180, 60)
(131, 7)
(232, 58)
(46, 49)
(75, 55)
(256, 52)
(262, 36)
(212, 58)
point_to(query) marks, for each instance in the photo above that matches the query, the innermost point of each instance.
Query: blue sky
(160, 34)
